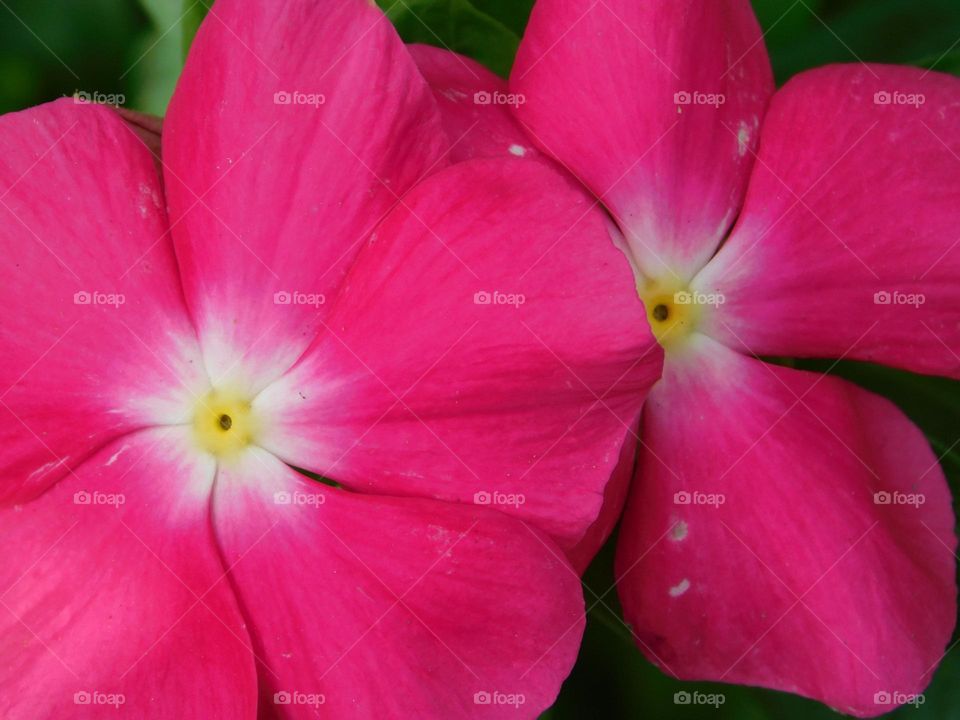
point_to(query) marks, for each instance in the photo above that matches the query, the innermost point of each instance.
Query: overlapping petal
(656, 106)
(109, 593)
(388, 607)
(95, 334)
(474, 106)
(848, 244)
(489, 346)
(780, 531)
(293, 129)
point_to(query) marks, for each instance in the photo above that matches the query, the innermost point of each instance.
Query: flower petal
(655, 106)
(780, 530)
(489, 346)
(96, 338)
(848, 242)
(474, 105)
(293, 129)
(389, 607)
(110, 598)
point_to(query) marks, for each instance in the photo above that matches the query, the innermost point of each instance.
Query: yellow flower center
(673, 311)
(224, 423)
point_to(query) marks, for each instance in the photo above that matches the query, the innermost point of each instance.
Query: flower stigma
(224, 422)
(672, 310)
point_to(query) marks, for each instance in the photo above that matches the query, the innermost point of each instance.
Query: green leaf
(948, 62)
(194, 11)
(455, 25)
(848, 31)
(511, 13)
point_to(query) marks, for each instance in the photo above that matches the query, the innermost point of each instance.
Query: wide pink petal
(849, 244)
(787, 530)
(294, 128)
(95, 335)
(474, 106)
(656, 106)
(489, 345)
(388, 607)
(109, 594)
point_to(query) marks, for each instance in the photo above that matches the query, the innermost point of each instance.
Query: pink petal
(94, 319)
(294, 128)
(110, 600)
(628, 96)
(848, 243)
(474, 106)
(388, 607)
(489, 345)
(835, 518)
(148, 128)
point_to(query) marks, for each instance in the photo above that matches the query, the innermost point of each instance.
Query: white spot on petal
(113, 458)
(743, 139)
(679, 531)
(518, 150)
(680, 588)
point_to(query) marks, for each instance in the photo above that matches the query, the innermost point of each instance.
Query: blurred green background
(51, 48)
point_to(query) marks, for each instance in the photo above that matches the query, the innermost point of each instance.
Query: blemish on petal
(113, 458)
(680, 588)
(518, 150)
(679, 531)
(743, 139)
(453, 94)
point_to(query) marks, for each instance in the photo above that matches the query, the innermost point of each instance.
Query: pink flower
(290, 295)
(784, 529)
